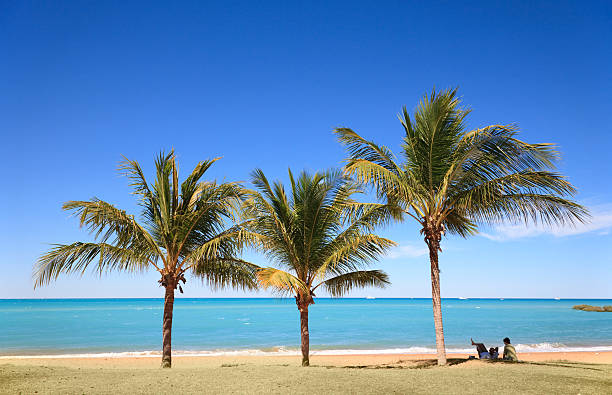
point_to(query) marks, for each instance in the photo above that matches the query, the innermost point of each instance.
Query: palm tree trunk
(437, 302)
(304, 335)
(167, 323)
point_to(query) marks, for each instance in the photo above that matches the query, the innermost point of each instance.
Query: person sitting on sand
(494, 352)
(509, 351)
(481, 350)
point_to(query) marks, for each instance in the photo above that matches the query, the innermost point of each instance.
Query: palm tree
(319, 235)
(182, 228)
(451, 179)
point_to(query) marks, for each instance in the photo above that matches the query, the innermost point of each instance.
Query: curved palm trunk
(437, 302)
(305, 336)
(167, 323)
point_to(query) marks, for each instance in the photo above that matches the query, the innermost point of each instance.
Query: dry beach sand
(541, 373)
(602, 357)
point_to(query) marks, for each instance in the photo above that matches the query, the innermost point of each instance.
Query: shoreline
(152, 361)
(544, 348)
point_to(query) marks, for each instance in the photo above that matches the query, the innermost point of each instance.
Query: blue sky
(263, 85)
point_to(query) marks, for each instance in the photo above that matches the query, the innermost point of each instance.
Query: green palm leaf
(451, 179)
(340, 285)
(315, 231)
(77, 257)
(186, 226)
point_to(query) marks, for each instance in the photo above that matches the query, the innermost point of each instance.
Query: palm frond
(78, 257)
(106, 222)
(206, 219)
(191, 187)
(185, 226)
(349, 253)
(280, 280)
(225, 244)
(342, 284)
(269, 216)
(132, 170)
(226, 272)
(524, 207)
(359, 148)
(377, 167)
(319, 229)
(438, 125)
(458, 224)
(461, 179)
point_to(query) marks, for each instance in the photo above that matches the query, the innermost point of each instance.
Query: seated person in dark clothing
(494, 352)
(481, 350)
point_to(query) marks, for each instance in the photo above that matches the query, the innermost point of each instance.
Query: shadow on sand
(432, 363)
(405, 364)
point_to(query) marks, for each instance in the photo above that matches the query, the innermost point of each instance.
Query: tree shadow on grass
(569, 364)
(560, 364)
(405, 364)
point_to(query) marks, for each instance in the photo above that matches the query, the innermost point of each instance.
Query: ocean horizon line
(318, 297)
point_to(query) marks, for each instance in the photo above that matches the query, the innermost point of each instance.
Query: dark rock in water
(586, 307)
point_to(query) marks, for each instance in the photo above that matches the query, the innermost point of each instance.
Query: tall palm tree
(182, 228)
(451, 179)
(319, 235)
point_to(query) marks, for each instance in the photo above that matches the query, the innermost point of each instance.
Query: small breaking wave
(558, 347)
(283, 351)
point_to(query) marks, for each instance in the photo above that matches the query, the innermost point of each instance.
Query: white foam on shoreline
(281, 351)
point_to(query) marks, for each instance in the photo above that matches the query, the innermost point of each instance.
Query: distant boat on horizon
(462, 298)
(557, 298)
(370, 297)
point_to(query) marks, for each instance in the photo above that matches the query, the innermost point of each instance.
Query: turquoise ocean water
(268, 325)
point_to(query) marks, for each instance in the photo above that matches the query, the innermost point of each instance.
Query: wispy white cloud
(406, 250)
(600, 223)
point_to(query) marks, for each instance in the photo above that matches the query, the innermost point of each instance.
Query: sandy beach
(572, 372)
(603, 357)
